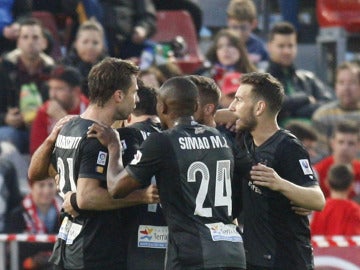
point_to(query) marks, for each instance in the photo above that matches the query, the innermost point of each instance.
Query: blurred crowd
(48, 48)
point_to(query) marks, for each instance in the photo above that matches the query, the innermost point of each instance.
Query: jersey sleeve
(294, 163)
(130, 142)
(93, 160)
(148, 159)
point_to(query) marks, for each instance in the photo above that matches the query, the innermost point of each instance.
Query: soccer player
(94, 238)
(276, 176)
(193, 165)
(146, 231)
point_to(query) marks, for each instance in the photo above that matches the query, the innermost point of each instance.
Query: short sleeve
(148, 159)
(294, 163)
(93, 159)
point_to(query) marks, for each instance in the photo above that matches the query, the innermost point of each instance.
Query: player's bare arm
(40, 167)
(310, 198)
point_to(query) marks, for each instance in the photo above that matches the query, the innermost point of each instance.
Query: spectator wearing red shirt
(340, 216)
(345, 146)
(65, 97)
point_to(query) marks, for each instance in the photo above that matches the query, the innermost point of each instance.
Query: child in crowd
(341, 216)
(242, 18)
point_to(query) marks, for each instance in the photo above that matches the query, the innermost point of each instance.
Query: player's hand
(57, 182)
(300, 211)
(67, 205)
(265, 176)
(58, 126)
(106, 135)
(54, 110)
(151, 194)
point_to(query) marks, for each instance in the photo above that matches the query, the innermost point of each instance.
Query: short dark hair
(147, 100)
(281, 28)
(108, 76)
(68, 74)
(340, 177)
(180, 95)
(347, 127)
(209, 91)
(302, 130)
(31, 21)
(267, 87)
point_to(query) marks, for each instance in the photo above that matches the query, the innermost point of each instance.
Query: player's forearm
(310, 198)
(40, 161)
(99, 200)
(115, 167)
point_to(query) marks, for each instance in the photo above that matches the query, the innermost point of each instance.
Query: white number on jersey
(62, 172)
(222, 181)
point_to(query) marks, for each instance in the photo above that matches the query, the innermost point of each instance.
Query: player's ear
(260, 107)
(209, 109)
(161, 107)
(118, 95)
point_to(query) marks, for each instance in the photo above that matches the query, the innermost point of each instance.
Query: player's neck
(180, 121)
(98, 114)
(263, 131)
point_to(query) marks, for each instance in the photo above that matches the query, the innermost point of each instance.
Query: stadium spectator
(12, 11)
(344, 147)
(87, 50)
(128, 24)
(25, 71)
(226, 54)
(345, 107)
(38, 213)
(242, 18)
(340, 216)
(304, 91)
(65, 98)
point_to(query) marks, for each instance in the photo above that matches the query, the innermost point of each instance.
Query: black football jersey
(93, 240)
(274, 235)
(193, 166)
(145, 227)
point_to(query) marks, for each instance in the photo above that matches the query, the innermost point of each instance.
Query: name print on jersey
(190, 143)
(67, 142)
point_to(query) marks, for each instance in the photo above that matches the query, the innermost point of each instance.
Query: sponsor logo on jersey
(137, 158)
(305, 166)
(152, 236)
(99, 169)
(101, 159)
(224, 232)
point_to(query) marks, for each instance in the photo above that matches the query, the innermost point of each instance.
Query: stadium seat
(341, 13)
(48, 21)
(179, 23)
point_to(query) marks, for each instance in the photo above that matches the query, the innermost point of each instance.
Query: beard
(249, 124)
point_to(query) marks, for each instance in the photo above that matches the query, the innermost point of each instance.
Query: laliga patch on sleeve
(305, 166)
(101, 159)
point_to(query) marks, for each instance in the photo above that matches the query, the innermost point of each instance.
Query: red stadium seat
(173, 23)
(341, 13)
